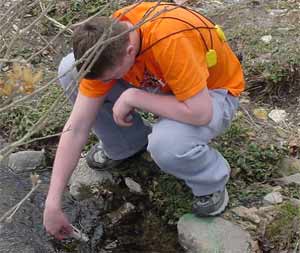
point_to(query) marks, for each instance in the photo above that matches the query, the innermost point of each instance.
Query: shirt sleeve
(183, 65)
(95, 88)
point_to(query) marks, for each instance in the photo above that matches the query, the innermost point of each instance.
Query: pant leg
(118, 142)
(183, 151)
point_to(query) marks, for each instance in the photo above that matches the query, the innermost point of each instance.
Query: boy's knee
(167, 149)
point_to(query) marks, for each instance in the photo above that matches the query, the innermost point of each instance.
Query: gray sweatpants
(177, 148)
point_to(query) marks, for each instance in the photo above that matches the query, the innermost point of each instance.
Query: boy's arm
(196, 110)
(72, 140)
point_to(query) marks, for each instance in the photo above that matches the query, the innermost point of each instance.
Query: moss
(284, 230)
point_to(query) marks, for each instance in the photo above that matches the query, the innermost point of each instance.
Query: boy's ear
(130, 50)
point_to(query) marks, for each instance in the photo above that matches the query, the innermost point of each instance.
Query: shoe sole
(223, 206)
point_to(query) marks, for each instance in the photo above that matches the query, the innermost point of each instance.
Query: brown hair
(86, 36)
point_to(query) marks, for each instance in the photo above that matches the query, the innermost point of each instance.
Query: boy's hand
(122, 110)
(56, 223)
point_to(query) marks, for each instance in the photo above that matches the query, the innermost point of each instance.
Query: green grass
(15, 122)
(283, 232)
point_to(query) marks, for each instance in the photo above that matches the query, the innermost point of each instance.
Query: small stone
(277, 115)
(273, 198)
(5, 68)
(132, 185)
(295, 178)
(123, 211)
(26, 160)
(247, 213)
(244, 100)
(209, 235)
(295, 202)
(266, 38)
(289, 166)
(45, 53)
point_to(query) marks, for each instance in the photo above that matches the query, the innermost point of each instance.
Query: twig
(45, 137)
(90, 56)
(55, 22)
(249, 116)
(79, 235)
(296, 247)
(7, 217)
(13, 60)
(26, 29)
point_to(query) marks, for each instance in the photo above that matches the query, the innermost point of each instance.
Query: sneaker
(210, 205)
(98, 160)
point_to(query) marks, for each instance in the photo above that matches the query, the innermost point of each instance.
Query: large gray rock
(26, 160)
(84, 175)
(212, 235)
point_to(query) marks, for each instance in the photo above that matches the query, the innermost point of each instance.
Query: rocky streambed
(114, 217)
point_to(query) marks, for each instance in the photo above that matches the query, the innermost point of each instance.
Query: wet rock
(209, 235)
(249, 214)
(123, 211)
(273, 198)
(25, 233)
(26, 160)
(295, 178)
(97, 236)
(132, 185)
(84, 175)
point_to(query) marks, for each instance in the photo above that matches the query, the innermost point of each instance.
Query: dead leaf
(17, 71)
(37, 77)
(27, 75)
(260, 113)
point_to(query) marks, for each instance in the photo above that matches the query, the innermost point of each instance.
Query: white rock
(84, 175)
(266, 38)
(273, 198)
(278, 12)
(132, 185)
(249, 214)
(277, 115)
(210, 235)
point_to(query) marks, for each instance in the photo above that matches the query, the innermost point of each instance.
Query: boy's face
(121, 68)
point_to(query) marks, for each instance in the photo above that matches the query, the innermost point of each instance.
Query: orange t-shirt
(172, 58)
